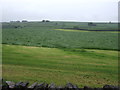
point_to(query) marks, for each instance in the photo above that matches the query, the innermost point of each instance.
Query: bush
(76, 27)
(91, 24)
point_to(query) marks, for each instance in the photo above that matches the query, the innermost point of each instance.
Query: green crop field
(48, 35)
(58, 52)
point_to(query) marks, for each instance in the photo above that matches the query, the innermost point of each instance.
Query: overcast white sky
(56, 10)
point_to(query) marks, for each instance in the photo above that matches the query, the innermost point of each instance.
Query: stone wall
(9, 85)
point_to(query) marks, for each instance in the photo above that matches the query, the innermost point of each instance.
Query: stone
(52, 85)
(110, 87)
(10, 84)
(59, 88)
(33, 85)
(39, 86)
(18, 85)
(69, 85)
(45, 85)
(24, 84)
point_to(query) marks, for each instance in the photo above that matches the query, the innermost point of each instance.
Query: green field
(94, 68)
(47, 52)
(46, 35)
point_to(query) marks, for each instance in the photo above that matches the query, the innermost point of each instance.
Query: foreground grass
(94, 68)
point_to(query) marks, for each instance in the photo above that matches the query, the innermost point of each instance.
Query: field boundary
(8, 85)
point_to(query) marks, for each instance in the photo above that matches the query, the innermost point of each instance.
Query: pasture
(94, 68)
(47, 34)
(58, 52)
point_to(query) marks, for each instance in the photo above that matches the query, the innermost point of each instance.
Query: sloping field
(89, 67)
(50, 35)
(47, 52)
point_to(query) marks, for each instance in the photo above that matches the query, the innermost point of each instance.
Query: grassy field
(47, 52)
(46, 35)
(86, 67)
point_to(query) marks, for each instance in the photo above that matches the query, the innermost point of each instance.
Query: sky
(59, 10)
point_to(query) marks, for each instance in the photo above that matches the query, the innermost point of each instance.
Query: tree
(24, 21)
(91, 24)
(76, 27)
(47, 21)
(43, 20)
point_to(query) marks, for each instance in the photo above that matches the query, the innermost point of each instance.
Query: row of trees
(45, 21)
(19, 21)
(27, 21)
